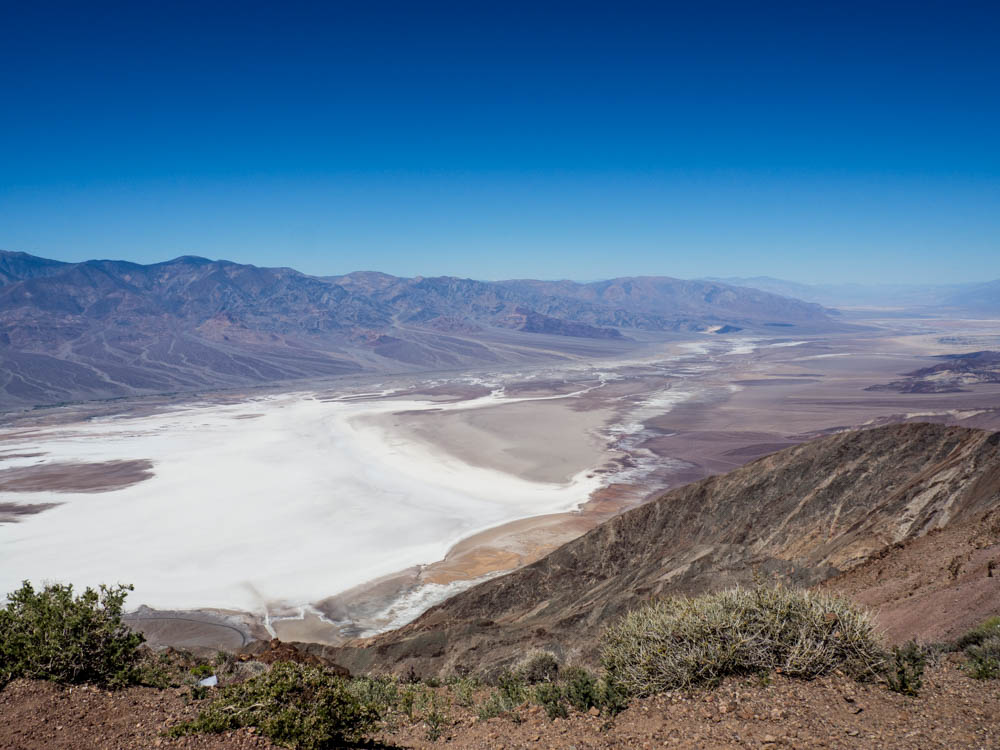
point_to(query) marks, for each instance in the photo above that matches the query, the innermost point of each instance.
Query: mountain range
(104, 328)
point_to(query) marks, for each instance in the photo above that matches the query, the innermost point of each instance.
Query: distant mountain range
(103, 328)
(972, 297)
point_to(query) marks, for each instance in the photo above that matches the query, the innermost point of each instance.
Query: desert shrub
(581, 688)
(612, 697)
(987, 630)
(202, 670)
(408, 700)
(464, 690)
(550, 696)
(904, 671)
(294, 705)
(509, 694)
(984, 659)
(539, 666)
(436, 717)
(381, 693)
(53, 635)
(981, 646)
(681, 642)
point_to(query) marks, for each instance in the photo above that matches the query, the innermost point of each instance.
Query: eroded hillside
(805, 514)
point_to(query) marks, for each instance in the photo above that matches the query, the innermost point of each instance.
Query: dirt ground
(953, 711)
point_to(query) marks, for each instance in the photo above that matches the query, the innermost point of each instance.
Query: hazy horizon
(725, 278)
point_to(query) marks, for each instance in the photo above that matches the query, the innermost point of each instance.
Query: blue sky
(811, 141)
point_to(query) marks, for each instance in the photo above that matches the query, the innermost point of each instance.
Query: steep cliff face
(805, 514)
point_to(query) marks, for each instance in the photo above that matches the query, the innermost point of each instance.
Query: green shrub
(987, 630)
(549, 695)
(984, 659)
(982, 649)
(294, 705)
(612, 697)
(539, 666)
(904, 672)
(202, 670)
(581, 688)
(511, 686)
(681, 642)
(53, 635)
(408, 700)
(464, 689)
(509, 694)
(436, 718)
(380, 693)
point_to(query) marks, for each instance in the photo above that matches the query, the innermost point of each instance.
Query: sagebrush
(683, 642)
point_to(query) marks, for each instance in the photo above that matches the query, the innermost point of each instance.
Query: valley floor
(952, 711)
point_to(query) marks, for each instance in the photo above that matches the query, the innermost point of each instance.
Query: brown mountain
(807, 514)
(104, 328)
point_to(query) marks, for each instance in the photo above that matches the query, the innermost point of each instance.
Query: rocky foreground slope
(904, 518)
(952, 712)
(807, 514)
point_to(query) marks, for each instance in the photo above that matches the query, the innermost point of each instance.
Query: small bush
(53, 635)
(512, 687)
(981, 646)
(612, 696)
(436, 718)
(581, 688)
(984, 659)
(408, 700)
(509, 694)
(549, 695)
(380, 693)
(202, 670)
(294, 705)
(539, 666)
(464, 689)
(681, 642)
(904, 672)
(976, 636)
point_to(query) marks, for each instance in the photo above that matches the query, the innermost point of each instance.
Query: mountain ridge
(805, 515)
(107, 328)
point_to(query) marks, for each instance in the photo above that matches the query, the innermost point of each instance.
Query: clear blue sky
(814, 141)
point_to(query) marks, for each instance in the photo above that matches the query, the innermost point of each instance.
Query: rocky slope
(952, 711)
(102, 329)
(805, 514)
(953, 375)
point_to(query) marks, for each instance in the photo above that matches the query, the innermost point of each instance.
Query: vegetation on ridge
(677, 643)
(294, 705)
(53, 635)
(684, 642)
